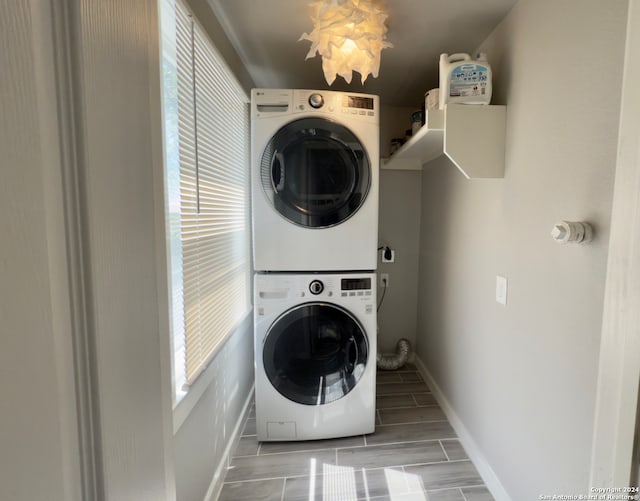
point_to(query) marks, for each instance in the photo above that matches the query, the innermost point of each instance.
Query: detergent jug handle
(459, 56)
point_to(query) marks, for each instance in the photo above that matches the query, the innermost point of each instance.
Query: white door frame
(619, 372)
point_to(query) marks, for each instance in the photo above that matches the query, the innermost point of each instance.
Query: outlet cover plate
(501, 290)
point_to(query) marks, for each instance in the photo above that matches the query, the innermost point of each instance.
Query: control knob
(316, 287)
(316, 100)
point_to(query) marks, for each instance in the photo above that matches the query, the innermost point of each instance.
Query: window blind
(213, 149)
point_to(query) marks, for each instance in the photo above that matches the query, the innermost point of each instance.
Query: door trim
(53, 22)
(619, 371)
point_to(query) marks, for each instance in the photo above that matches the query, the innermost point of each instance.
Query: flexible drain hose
(395, 362)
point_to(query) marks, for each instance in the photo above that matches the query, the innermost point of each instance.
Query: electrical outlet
(384, 279)
(392, 257)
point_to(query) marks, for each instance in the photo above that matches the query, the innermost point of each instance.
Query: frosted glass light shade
(349, 35)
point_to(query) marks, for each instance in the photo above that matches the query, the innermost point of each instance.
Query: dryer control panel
(357, 106)
(273, 102)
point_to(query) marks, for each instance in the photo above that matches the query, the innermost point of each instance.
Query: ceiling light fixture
(349, 35)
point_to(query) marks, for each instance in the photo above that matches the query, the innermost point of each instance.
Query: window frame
(185, 395)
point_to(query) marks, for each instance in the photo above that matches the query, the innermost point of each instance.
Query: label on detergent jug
(468, 80)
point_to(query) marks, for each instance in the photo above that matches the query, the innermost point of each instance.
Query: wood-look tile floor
(413, 455)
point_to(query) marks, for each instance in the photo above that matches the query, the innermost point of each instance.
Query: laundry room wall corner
(398, 228)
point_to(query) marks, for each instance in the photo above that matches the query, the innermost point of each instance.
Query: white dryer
(315, 355)
(315, 162)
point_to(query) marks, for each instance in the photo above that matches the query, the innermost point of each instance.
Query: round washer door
(315, 353)
(315, 172)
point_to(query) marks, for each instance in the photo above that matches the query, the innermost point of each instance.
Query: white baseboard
(215, 487)
(473, 451)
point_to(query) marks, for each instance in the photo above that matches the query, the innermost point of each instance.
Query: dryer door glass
(315, 172)
(315, 353)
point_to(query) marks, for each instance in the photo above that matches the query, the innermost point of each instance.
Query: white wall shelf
(471, 136)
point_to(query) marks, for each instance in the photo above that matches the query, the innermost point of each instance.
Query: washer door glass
(315, 353)
(315, 172)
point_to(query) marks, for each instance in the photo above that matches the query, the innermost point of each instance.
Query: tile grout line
(403, 466)
(408, 407)
(404, 442)
(261, 479)
(444, 450)
(365, 483)
(284, 487)
(404, 478)
(430, 462)
(417, 422)
(303, 475)
(462, 492)
(381, 444)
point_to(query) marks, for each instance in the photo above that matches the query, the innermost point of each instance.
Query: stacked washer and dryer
(315, 162)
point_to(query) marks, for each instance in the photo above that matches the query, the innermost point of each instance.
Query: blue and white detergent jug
(464, 80)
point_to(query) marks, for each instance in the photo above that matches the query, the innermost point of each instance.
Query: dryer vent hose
(395, 362)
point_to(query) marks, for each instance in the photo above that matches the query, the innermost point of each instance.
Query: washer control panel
(276, 288)
(359, 286)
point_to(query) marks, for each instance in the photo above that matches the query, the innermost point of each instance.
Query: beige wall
(399, 228)
(522, 377)
(394, 121)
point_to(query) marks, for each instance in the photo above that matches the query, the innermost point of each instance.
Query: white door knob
(577, 232)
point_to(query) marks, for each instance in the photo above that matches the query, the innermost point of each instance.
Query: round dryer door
(315, 172)
(315, 353)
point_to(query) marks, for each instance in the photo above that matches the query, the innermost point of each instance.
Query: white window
(206, 117)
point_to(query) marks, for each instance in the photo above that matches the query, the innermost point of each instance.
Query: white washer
(315, 355)
(315, 161)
